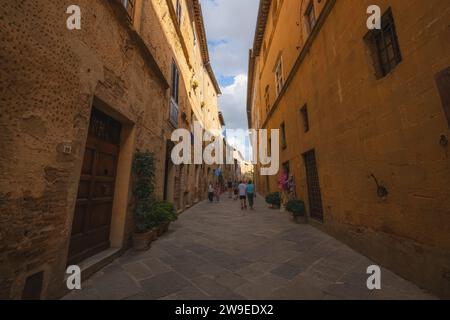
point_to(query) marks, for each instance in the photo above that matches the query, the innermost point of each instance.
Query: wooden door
(92, 217)
(314, 193)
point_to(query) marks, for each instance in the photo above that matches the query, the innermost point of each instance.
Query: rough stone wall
(361, 126)
(158, 28)
(48, 78)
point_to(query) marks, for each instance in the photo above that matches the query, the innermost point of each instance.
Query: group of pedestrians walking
(244, 191)
(214, 192)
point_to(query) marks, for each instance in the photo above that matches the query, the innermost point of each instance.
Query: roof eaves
(201, 32)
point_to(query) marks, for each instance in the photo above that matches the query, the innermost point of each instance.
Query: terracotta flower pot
(299, 219)
(166, 227)
(154, 236)
(142, 240)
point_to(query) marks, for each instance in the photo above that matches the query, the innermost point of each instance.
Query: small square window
(269, 148)
(305, 118)
(286, 169)
(283, 136)
(267, 97)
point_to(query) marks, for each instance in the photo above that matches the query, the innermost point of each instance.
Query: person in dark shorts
(210, 192)
(243, 195)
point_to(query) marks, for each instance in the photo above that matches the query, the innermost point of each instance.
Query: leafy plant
(144, 188)
(195, 85)
(142, 214)
(296, 207)
(274, 199)
(166, 210)
(157, 217)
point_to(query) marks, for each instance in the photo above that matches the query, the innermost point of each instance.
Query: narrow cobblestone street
(217, 251)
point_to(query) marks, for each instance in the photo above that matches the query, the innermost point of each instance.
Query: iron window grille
(314, 192)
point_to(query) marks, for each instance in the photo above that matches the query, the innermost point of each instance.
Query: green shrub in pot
(164, 212)
(296, 207)
(274, 199)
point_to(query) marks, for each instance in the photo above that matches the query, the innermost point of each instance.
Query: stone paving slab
(217, 251)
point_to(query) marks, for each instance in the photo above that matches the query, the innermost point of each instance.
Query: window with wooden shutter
(279, 80)
(174, 93)
(384, 46)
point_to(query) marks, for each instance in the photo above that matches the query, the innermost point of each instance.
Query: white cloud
(230, 27)
(233, 21)
(233, 103)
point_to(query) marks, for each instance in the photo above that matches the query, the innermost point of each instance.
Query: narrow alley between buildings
(119, 118)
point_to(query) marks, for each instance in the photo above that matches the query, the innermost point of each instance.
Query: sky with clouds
(230, 27)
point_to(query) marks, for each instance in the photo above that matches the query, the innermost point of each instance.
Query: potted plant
(164, 212)
(143, 190)
(297, 210)
(144, 233)
(274, 200)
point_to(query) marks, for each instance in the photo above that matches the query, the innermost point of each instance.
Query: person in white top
(210, 192)
(243, 195)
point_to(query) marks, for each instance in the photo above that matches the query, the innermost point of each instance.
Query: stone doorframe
(123, 176)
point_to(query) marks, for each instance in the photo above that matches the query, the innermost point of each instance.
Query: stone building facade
(175, 33)
(364, 121)
(75, 105)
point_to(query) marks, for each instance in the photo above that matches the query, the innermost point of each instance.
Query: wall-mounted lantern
(382, 191)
